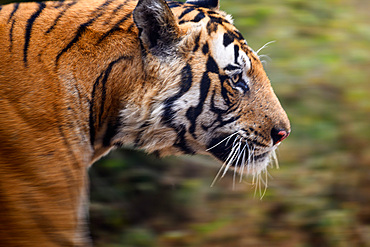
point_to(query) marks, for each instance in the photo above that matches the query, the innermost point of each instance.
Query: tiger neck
(117, 86)
(101, 89)
(133, 114)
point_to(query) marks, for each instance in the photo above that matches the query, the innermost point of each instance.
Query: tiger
(81, 77)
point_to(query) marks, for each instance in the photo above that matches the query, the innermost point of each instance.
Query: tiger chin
(79, 77)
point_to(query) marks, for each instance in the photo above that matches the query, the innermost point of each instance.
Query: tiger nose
(278, 135)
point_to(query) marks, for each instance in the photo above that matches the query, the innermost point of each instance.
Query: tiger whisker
(230, 155)
(251, 162)
(264, 46)
(264, 192)
(237, 161)
(242, 163)
(217, 175)
(230, 162)
(260, 181)
(236, 139)
(275, 159)
(260, 184)
(254, 184)
(264, 56)
(222, 141)
(223, 165)
(239, 155)
(242, 166)
(255, 176)
(263, 60)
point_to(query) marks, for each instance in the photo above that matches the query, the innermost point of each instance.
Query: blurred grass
(319, 68)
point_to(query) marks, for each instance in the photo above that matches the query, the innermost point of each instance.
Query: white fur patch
(226, 55)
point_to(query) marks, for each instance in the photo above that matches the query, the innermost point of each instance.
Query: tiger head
(209, 93)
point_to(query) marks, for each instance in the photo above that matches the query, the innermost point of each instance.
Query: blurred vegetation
(320, 69)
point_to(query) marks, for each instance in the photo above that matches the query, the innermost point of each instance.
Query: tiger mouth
(235, 152)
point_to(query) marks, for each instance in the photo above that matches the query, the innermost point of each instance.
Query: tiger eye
(236, 78)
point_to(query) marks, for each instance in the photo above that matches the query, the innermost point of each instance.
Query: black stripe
(102, 79)
(129, 29)
(212, 65)
(92, 112)
(16, 5)
(60, 16)
(224, 92)
(218, 111)
(228, 39)
(199, 17)
(218, 20)
(174, 4)
(215, 109)
(29, 25)
(169, 114)
(104, 82)
(238, 35)
(111, 132)
(115, 28)
(82, 28)
(236, 53)
(186, 82)
(181, 141)
(193, 112)
(231, 67)
(196, 41)
(102, 7)
(59, 4)
(80, 31)
(113, 14)
(211, 12)
(186, 11)
(104, 89)
(204, 3)
(205, 49)
(11, 36)
(228, 121)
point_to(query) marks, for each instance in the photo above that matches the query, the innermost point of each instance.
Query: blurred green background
(319, 67)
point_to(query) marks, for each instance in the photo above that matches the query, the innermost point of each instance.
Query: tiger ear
(158, 29)
(211, 4)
